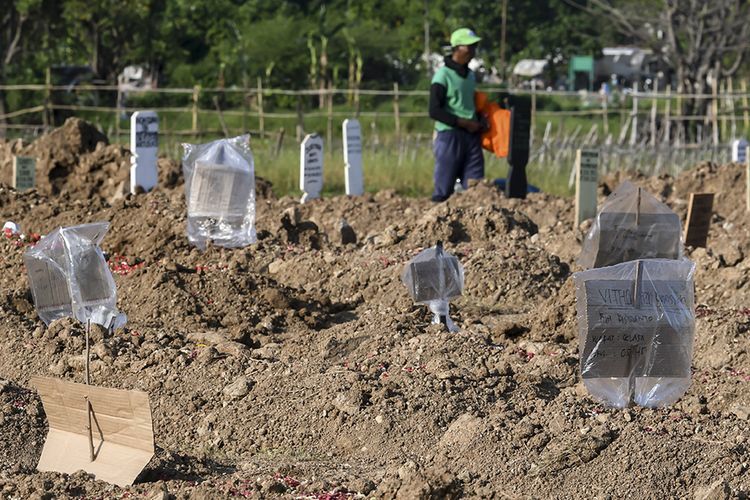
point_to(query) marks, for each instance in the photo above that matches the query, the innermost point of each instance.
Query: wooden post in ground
(667, 117)
(730, 105)
(533, 114)
(396, 113)
(47, 100)
(261, 116)
(196, 95)
(634, 114)
(653, 112)
(329, 119)
(745, 111)
(715, 109)
(300, 129)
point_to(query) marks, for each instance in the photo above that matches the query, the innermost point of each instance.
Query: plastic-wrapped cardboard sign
(352, 133)
(636, 327)
(632, 224)
(220, 192)
(311, 167)
(144, 144)
(69, 276)
(121, 438)
(434, 277)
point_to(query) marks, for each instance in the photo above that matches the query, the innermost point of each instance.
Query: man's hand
(472, 126)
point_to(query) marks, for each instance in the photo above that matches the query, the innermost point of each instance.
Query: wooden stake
(261, 114)
(396, 113)
(745, 111)
(196, 95)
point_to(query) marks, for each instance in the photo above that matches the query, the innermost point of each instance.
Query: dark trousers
(458, 155)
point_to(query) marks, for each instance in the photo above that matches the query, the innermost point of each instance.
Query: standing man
(457, 147)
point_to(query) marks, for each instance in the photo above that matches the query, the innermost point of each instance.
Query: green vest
(459, 94)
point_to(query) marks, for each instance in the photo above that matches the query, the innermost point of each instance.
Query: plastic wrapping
(69, 276)
(636, 324)
(220, 192)
(434, 277)
(632, 224)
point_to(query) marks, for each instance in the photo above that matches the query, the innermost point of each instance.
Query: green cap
(464, 36)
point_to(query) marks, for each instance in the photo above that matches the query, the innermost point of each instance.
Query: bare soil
(299, 367)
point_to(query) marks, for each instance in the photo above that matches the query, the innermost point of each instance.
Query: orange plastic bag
(497, 138)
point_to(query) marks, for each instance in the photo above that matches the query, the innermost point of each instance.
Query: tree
(700, 41)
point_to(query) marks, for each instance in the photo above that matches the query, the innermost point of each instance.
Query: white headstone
(355, 183)
(24, 172)
(587, 180)
(739, 151)
(311, 167)
(144, 145)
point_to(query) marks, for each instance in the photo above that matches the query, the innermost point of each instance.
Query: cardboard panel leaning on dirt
(122, 428)
(69, 276)
(636, 324)
(434, 277)
(698, 222)
(311, 167)
(24, 173)
(632, 224)
(220, 192)
(355, 184)
(144, 146)
(587, 180)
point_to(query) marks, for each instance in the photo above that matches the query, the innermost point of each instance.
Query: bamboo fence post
(300, 119)
(653, 112)
(634, 114)
(745, 114)
(533, 114)
(396, 114)
(47, 98)
(730, 105)
(715, 110)
(261, 116)
(118, 110)
(667, 118)
(329, 119)
(196, 95)
(605, 115)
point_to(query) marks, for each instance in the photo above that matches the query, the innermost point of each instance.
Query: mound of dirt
(299, 367)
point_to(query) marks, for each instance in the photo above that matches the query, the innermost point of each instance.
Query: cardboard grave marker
(311, 167)
(587, 180)
(739, 151)
(698, 219)
(24, 172)
(352, 132)
(144, 146)
(123, 440)
(636, 327)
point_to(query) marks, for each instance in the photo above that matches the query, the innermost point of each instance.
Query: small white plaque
(355, 184)
(311, 167)
(587, 179)
(24, 172)
(144, 146)
(739, 151)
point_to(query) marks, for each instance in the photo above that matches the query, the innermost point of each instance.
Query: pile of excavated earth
(300, 366)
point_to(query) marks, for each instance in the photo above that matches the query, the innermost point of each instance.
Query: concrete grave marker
(24, 172)
(355, 185)
(700, 210)
(587, 179)
(739, 151)
(113, 438)
(311, 167)
(144, 145)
